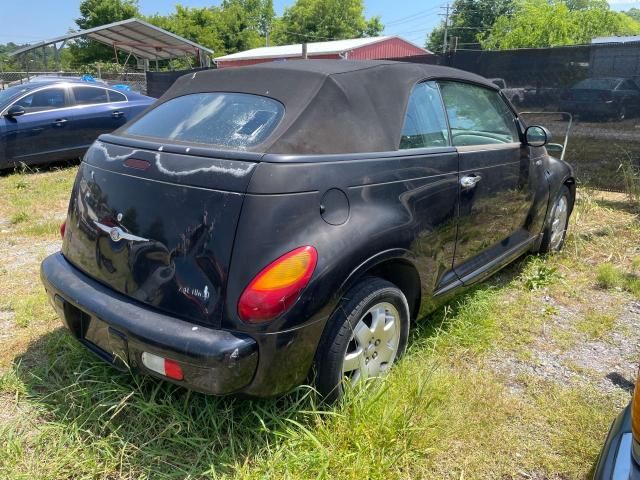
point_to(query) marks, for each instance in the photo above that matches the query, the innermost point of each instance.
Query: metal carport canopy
(140, 38)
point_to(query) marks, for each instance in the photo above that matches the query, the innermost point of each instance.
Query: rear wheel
(555, 231)
(365, 336)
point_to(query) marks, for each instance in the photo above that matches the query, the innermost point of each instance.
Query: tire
(554, 233)
(372, 351)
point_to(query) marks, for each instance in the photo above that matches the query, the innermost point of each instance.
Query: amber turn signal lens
(635, 412)
(278, 286)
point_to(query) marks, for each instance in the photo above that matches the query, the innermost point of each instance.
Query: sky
(27, 21)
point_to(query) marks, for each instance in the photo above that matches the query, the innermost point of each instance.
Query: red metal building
(374, 48)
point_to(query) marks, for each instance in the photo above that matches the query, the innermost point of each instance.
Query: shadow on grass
(153, 428)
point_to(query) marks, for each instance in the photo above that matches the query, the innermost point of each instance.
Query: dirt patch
(21, 251)
(565, 356)
(7, 324)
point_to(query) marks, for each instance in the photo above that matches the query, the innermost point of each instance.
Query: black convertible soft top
(331, 106)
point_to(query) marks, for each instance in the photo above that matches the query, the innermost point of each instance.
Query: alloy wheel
(559, 223)
(373, 347)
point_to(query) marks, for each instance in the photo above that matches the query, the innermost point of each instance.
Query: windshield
(598, 83)
(12, 92)
(234, 120)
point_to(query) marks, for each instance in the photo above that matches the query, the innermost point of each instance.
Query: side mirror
(536, 136)
(15, 111)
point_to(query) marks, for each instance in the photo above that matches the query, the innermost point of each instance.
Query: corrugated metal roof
(633, 38)
(133, 35)
(316, 48)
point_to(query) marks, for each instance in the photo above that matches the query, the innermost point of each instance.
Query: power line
(409, 18)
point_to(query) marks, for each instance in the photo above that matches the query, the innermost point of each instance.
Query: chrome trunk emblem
(116, 233)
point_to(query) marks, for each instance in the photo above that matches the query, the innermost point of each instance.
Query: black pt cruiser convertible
(262, 223)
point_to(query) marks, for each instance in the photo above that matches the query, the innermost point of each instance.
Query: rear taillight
(63, 228)
(278, 286)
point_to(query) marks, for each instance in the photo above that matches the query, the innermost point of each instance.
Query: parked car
(620, 455)
(604, 98)
(261, 223)
(52, 119)
(517, 96)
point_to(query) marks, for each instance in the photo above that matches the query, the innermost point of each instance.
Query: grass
(450, 409)
(596, 324)
(613, 277)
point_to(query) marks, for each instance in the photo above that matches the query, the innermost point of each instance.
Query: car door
(496, 184)
(431, 196)
(98, 110)
(42, 132)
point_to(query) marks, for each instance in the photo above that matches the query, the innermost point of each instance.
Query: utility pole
(446, 27)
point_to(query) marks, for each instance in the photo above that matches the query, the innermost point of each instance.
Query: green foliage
(611, 277)
(467, 20)
(538, 273)
(197, 24)
(94, 13)
(542, 23)
(234, 26)
(323, 20)
(37, 60)
(633, 13)
(596, 324)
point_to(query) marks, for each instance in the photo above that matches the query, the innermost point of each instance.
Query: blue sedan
(58, 120)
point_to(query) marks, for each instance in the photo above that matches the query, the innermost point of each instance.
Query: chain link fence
(137, 81)
(599, 85)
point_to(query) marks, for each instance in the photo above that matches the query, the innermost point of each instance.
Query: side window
(47, 99)
(116, 97)
(425, 124)
(90, 95)
(477, 115)
(629, 85)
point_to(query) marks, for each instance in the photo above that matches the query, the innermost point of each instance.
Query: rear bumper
(216, 362)
(615, 462)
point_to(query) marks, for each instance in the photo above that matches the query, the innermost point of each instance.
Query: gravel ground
(20, 252)
(609, 363)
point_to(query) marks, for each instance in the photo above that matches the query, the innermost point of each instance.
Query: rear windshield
(233, 120)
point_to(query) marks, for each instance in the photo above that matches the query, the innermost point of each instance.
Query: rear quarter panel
(398, 202)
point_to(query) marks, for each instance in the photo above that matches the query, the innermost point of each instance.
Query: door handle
(117, 114)
(60, 122)
(469, 181)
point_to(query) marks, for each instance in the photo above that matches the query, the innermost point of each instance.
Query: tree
(199, 25)
(8, 63)
(543, 23)
(243, 24)
(634, 13)
(323, 20)
(94, 13)
(469, 19)
(235, 25)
